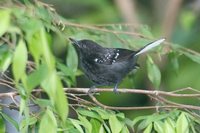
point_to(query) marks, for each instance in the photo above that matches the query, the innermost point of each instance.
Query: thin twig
(7, 85)
(105, 30)
(137, 91)
(186, 89)
(156, 95)
(132, 108)
(80, 100)
(10, 106)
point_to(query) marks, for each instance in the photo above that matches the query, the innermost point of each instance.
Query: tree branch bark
(157, 95)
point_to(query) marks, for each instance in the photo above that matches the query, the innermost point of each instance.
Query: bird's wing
(110, 56)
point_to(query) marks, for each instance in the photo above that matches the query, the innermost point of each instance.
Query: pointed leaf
(4, 21)
(158, 126)
(115, 125)
(154, 74)
(48, 57)
(53, 86)
(193, 57)
(77, 124)
(169, 126)
(182, 125)
(5, 61)
(19, 60)
(148, 129)
(89, 113)
(86, 124)
(72, 58)
(2, 125)
(48, 123)
(36, 77)
(11, 120)
(96, 125)
(125, 130)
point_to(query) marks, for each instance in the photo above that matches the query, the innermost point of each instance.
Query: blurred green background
(176, 20)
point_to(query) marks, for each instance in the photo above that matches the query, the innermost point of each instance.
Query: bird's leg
(115, 88)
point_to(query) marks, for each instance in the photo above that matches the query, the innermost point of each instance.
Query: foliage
(28, 30)
(175, 121)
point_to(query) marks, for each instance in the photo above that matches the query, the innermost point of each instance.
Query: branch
(154, 94)
(104, 30)
(137, 91)
(131, 108)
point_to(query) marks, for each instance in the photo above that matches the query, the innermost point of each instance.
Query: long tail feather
(149, 46)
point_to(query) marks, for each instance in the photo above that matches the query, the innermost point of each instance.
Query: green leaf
(35, 44)
(22, 106)
(11, 120)
(77, 124)
(125, 130)
(53, 86)
(89, 113)
(27, 122)
(158, 126)
(44, 14)
(148, 129)
(193, 57)
(2, 125)
(115, 125)
(120, 115)
(36, 77)
(19, 60)
(72, 58)
(5, 61)
(174, 61)
(106, 127)
(43, 102)
(150, 119)
(144, 29)
(96, 125)
(154, 74)
(48, 123)
(4, 21)
(46, 52)
(129, 123)
(182, 125)
(105, 114)
(139, 118)
(169, 126)
(86, 124)
(101, 130)
(68, 72)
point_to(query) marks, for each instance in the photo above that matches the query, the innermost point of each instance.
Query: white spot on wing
(117, 54)
(96, 60)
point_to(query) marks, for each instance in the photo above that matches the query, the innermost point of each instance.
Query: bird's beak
(74, 41)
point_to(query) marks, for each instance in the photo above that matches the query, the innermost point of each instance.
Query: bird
(107, 66)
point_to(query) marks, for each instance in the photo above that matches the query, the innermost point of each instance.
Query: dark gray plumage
(107, 66)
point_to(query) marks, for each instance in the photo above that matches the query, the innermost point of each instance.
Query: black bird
(107, 66)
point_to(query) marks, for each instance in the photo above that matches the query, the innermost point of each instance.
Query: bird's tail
(149, 46)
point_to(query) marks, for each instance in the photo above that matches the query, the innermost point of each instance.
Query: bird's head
(85, 46)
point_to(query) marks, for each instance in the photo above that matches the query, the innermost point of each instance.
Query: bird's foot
(91, 91)
(115, 89)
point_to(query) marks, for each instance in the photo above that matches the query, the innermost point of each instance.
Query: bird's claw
(115, 89)
(91, 91)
